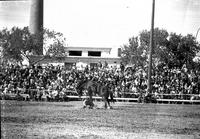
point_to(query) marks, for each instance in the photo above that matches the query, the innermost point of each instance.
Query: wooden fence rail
(73, 95)
(169, 101)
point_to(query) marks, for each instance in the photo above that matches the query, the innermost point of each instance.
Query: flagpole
(149, 88)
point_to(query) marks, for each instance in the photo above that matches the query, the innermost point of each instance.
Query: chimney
(36, 18)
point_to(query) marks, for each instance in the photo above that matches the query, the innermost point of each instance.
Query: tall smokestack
(36, 17)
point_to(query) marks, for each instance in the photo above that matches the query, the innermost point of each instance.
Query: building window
(75, 53)
(94, 53)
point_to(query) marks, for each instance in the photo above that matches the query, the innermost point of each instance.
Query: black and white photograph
(100, 69)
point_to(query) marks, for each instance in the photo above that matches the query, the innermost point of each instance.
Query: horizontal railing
(136, 100)
(74, 95)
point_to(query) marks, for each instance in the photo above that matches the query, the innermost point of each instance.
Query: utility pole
(149, 86)
(197, 33)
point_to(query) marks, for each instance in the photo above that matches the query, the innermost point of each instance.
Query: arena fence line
(25, 94)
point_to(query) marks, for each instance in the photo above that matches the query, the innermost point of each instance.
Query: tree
(132, 53)
(183, 49)
(16, 42)
(54, 43)
(19, 43)
(138, 49)
(170, 50)
(159, 54)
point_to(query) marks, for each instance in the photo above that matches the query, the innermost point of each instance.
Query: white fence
(25, 94)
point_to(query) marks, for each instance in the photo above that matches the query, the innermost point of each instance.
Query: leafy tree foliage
(160, 41)
(13, 42)
(170, 50)
(182, 50)
(132, 53)
(18, 43)
(54, 43)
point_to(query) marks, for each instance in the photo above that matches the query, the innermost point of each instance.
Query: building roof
(88, 48)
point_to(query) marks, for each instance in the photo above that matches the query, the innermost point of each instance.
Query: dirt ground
(20, 119)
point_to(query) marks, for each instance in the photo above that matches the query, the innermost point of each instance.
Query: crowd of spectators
(52, 81)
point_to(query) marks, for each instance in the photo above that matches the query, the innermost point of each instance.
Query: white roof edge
(73, 47)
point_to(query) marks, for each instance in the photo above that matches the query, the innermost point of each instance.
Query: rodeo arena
(92, 92)
(100, 102)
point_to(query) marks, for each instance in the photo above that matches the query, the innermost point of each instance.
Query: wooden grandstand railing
(159, 100)
(136, 100)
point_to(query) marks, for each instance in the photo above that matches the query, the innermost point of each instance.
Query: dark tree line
(170, 49)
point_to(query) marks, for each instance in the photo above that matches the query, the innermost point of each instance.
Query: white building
(92, 56)
(82, 56)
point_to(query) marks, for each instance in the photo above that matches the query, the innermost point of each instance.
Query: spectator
(165, 80)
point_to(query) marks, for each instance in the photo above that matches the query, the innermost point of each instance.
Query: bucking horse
(102, 90)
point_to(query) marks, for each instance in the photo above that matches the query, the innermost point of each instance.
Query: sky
(105, 23)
